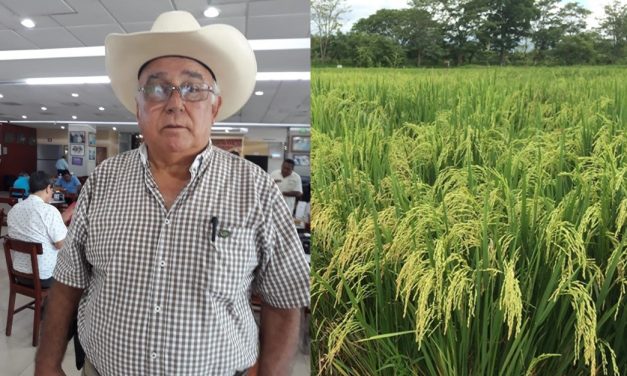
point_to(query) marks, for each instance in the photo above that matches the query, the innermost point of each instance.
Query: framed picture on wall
(301, 144)
(77, 137)
(21, 138)
(92, 139)
(92, 154)
(9, 137)
(77, 161)
(77, 149)
(301, 159)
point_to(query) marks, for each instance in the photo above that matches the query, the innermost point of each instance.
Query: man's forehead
(164, 75)
(192, 67)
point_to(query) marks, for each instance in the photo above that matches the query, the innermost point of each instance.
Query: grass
(469, 221)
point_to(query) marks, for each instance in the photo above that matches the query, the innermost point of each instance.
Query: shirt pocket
(231, 262)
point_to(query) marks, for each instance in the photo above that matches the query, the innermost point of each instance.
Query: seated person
(289, 183)
(34, 220)
(69, 183)
(22, 182)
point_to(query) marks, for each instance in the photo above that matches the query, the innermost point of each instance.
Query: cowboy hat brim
(220, 47)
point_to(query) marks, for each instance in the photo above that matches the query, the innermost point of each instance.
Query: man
(289, 183)
(22, 183)
(34, 220)
(61, 165)
(169, 240)
(68, 182)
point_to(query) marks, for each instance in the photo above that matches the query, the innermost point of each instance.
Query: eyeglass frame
(213, 89)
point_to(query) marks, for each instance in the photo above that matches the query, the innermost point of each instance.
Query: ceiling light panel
(56, 53)
(67, 80)
(211, 12)
(261, 76)
(28, 23)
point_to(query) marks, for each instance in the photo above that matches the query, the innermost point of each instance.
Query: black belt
(241, 373)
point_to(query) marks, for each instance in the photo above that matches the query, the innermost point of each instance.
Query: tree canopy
(459, 32)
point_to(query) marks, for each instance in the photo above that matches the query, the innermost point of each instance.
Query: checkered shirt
(162, 298)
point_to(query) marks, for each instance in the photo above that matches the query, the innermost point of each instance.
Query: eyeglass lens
(192, 92)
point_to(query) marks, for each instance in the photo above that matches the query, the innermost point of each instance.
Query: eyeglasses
(189, 92)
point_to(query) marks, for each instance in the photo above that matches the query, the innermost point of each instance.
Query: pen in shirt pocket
(214, 228)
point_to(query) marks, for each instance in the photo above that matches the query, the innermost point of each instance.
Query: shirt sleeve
(72, 267)
(299, 184)
(282, 279)
(56, 228)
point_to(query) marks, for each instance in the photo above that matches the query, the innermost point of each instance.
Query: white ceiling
(80, 23)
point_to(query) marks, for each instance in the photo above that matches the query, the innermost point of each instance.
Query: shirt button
(167, 221)
(157, 309)
(162, 263)
(153, 355)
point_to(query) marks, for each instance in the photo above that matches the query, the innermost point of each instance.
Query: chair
(11, 201)
(36, 292)
(17, 192)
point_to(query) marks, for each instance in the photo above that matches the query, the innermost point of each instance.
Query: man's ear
(215, 106)
(138, 115)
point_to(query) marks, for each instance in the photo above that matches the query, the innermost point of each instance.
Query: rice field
(469, 221)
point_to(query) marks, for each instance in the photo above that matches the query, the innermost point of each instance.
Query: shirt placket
(159, 288)
(158, 291)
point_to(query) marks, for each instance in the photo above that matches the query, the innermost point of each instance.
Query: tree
(384, 22)
(413, 29)
(459, 21)
(365, 50)
(326, 16)
(506, 23)
(423, 35)
(555, 22)
(575, 49)
(614, 25)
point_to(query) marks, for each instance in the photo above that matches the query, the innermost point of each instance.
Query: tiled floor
(17, 352)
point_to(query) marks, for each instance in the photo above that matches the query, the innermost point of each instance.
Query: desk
(59, 204)
(70, 197)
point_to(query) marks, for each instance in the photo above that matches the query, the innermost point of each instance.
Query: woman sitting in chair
(34, 220)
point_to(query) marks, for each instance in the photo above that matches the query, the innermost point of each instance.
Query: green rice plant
(469, 222)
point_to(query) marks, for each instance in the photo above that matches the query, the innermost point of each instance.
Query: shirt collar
(35, 197)
(193, 169)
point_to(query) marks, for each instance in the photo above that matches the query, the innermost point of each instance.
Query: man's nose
(175, 101)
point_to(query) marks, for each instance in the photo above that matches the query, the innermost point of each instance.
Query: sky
(364, 8)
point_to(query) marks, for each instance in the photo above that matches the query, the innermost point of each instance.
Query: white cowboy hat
(222, 48)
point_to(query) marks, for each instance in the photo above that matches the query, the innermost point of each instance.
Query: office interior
(53, 86)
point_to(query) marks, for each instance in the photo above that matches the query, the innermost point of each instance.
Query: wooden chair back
(17, 192)
(8, 200)
(15, 287)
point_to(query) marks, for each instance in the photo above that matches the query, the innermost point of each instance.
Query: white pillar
(81, 149)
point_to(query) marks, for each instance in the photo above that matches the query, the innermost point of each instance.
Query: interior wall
(51, 136)
(258, 148)
(300, 156)
(267, 141)
(50, 146)
(108, 139)
(19, 152)
(82, 158)
(267, 134)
